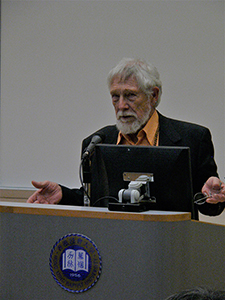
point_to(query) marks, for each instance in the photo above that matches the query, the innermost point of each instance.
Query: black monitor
(170, 166)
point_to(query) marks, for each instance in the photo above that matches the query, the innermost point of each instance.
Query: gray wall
(55, 59)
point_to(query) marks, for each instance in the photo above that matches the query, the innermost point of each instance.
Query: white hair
(146, 74)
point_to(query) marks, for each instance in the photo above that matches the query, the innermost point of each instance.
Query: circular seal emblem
(75, 263)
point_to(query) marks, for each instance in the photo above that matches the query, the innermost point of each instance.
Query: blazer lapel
(168, 135)
(111, 135)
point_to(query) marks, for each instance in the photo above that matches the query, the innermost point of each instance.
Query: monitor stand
(132, 207)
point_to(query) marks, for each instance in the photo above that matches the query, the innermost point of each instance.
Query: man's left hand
(214, 188)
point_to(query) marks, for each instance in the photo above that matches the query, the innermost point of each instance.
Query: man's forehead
(130, 82)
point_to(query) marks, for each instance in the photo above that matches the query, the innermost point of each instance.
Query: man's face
(133, 107)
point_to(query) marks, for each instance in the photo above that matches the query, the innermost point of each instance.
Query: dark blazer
(171, 133)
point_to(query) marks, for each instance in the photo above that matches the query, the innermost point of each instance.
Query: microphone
(96, 139)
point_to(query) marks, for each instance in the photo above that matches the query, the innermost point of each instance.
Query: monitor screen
(170, 167)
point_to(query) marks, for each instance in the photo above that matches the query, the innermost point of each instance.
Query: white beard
(131, 127)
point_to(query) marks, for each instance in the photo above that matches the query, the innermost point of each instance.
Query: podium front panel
(140, 259)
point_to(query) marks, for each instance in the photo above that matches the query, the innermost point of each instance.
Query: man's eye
(131, 96)
(115, 98)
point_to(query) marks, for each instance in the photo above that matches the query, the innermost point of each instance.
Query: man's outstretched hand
(214, 188)
(48, 193)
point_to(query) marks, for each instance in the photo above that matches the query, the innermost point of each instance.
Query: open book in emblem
(75, 260)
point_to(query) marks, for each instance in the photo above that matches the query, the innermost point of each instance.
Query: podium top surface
(91, 212)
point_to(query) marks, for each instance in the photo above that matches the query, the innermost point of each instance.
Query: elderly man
(136, 89)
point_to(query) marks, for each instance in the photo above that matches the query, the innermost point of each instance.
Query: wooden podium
(148, 255)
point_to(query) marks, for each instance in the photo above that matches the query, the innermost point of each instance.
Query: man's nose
(122, 103)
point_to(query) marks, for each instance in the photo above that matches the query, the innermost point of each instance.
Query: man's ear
(155, 95)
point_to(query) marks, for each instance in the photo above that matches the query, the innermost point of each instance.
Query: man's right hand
(48, 193)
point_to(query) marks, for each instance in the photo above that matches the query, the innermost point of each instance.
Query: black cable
(81, 179)
(105, 197)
